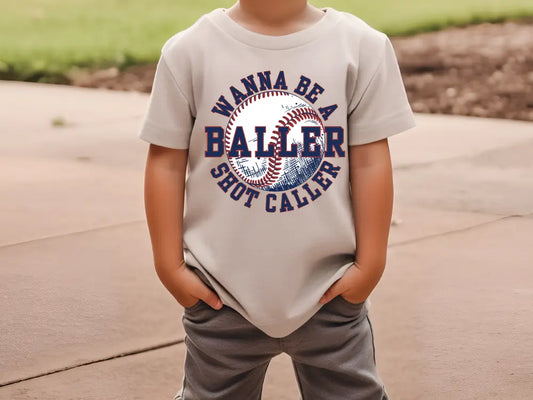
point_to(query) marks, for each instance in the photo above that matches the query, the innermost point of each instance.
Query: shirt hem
(396, 123)
(152, 133)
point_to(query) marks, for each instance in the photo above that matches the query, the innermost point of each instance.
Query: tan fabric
(267, 121)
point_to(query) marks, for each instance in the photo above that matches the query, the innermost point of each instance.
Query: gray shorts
(333, 354)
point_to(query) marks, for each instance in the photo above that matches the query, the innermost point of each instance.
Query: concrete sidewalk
(84, 316)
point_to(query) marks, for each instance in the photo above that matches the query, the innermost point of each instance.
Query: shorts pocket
(354, 311)
(349, 302)
(340, 310)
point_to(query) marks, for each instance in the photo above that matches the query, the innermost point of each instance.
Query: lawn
(41, 39)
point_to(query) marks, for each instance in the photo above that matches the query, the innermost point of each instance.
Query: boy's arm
(164, 189)
(372, 197)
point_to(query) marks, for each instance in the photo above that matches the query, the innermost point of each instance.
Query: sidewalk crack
(120, 355)
(435, 235)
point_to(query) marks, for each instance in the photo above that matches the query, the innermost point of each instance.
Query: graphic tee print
(267, 121)
(274, 141)
(286, 123)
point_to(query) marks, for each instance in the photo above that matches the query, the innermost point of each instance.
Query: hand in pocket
(189, 289)
(350, 286)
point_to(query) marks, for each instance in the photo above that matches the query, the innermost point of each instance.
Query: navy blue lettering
(239, 148)
(329, 168)
(314, 195)
(312, 96)
(303, 85)
(228, 182)
(334, 142)
(283, 130)
(222, 107)
(327, 111)
(308, 140)
(220, 170)
(299, 201)
(236, 196)
(252, 194)
(285, 203)
(264, 80)
(280, 81)
(319, 178)
(249, 85)
(261, 152)
(215, 136)
(270, 208)
(237, 95)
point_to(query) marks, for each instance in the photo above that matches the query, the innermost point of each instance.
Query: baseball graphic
(279, 117)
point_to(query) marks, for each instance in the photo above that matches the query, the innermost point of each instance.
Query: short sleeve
(380, 107)
(168, 119)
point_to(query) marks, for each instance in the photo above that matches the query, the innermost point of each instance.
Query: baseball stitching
(275, 162)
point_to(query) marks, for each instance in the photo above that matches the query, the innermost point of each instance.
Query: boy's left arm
(372, 197)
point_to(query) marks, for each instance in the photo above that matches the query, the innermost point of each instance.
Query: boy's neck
(274, 17)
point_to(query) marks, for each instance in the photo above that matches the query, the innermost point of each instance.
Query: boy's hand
(189, 288)
(372, 197)
(355, 285)
(164, 192)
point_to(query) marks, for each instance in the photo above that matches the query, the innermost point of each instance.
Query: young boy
(276, 236)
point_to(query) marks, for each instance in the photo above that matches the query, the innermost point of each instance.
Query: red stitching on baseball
(274, 163)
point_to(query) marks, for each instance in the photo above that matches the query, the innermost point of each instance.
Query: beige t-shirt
(268, 121)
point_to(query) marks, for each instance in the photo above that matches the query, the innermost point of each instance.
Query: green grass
(41, 39)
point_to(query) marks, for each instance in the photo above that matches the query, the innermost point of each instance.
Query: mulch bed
(483, 70)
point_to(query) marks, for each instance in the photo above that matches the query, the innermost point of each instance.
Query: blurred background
(114, 43)
(82, 312)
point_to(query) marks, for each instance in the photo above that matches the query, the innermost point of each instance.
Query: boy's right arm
(164, 189)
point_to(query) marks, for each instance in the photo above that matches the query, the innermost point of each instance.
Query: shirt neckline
(272, 42)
